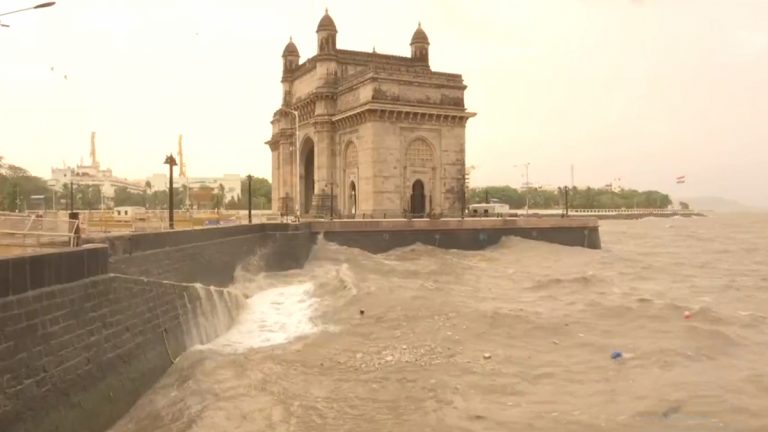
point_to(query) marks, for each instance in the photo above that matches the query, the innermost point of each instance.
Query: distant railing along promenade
(597, 212)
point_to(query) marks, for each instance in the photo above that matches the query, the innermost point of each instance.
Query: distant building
(157, 182)
(229, 182)
(93, 175)
(614, 186)
(384, 134)
(203, 191)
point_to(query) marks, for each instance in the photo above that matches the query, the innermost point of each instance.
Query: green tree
(261, 194)
(505, 194)
(125, 198)
(158, 200)
(87, 197)
(17, 185)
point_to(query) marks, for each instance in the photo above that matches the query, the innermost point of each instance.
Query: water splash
(271, 317)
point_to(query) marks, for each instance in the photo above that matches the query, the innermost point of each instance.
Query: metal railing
(639, 211)
(32, 230)
(157, 220)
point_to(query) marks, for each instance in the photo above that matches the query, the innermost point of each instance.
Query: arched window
(419, 154)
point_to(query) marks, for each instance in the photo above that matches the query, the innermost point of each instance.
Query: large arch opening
(418, 199)
(307, 175)
(419, 177)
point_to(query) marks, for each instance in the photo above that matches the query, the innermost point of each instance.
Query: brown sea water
(549, 317)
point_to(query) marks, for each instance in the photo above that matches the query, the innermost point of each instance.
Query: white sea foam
(272, 317)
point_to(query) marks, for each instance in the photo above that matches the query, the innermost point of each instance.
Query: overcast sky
(642, 90)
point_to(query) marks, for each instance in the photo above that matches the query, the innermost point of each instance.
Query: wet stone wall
(75, 357)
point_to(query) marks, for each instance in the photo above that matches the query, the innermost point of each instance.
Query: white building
(231, 183)
(92, 175)
(158, 182)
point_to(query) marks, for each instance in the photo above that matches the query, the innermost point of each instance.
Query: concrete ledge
(214, 262)
(20, 274)
(380, 241)
(131, 243)
(450, 224)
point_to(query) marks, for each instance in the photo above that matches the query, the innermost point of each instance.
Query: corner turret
(420, 46)
(326, 34)
(290, 57)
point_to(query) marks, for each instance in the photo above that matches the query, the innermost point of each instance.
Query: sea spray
(206, 316)
(271, 317)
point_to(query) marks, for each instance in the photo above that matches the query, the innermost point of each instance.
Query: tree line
(586, 198)
(204, 197)
(17, 186)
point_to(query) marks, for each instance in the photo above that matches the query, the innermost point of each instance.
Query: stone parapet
(20, 274)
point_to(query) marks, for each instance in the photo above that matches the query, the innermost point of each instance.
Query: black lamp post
(71, 196)
(171, 162)
(331, 212)
(250, 178)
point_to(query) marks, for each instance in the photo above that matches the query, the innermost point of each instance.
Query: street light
(40, 6)
(331, 184)
(250, 178)
(527, 184)
(171, 162)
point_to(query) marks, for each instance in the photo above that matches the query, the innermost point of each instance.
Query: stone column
(286, 173)
(325, 148)
(275, 178)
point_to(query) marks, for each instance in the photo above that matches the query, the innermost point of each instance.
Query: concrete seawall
(75, 357)
(377, 236)
(20, 274)
(208, 256)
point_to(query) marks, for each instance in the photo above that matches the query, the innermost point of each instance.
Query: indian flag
(680, 180)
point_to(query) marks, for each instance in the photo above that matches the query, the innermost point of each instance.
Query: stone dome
(326, 23)
(419, 37)
(290, 49)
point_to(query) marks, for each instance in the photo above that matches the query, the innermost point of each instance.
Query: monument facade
(363, 134)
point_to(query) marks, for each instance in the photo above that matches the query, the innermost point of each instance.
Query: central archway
(418, 199)
(308, 176)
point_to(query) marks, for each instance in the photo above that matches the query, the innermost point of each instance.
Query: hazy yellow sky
(642, 90)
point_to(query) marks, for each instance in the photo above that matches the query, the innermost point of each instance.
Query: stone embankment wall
(208, 256)
(380, 242)
(75, 357)
(377, 236)
(23, 273)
